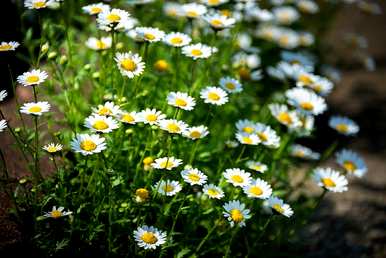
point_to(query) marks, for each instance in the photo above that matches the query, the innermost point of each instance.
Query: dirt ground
(350, 224)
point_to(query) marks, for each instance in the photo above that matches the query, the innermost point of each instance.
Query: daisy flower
(9, 46)
(305, 38)
(300, 151)
(343, 125)
(267, 135)
(177, 39)
(278, 205)
(218, 21)
(107, 109)
(94, 9)
(100, 124)
(149, 34)
(116, 19)
(305, 79)
(35, 108)
(129, 64)
(285, 116)
(193, 176)
(285, 15)
(141, 195)
(166, 163)
(3, 125)
(307, 6)
(213, 191)
(172, 9)
(306, 101)
(99, 44)
(352, 163)
(168, 187)
(214, 95)
(245, 126)
(193, 10)
(3, 95)
(173, 126)
(197, 51)
(322, 86)
(129, 117)
(288, 39)
(258, 189)
(33, 77)
(38, 4)
(196, 132)
(56, 213)
(149, 237)
(161, 65)
(237, 177)
(250, 139)
(231, 85)
(236, 213)
(181, 100)
(52, 147)
(88, 144)
(151, 116)
(256, 166)
(330, 180)
(147, 163)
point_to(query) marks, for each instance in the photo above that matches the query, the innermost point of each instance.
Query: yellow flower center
(103, 111)
(173, 127)
(237, 179)
(213, 2)
(161, 65)
(342, 128)
(128, 64)
(195, 134)
(284, 40)
(263, 136)
(149, 238)
(196, 52)
(56, 214)
(318, 88)
(192, 14)
(244, 73)
(255, 190)
(5, 47)
(285, 118)
(88, 145)
(305, 78)
(176, 40)
(168, 188)
(212, 192)
(278, 208)
(147, 160)
(100, 44)
(328, 182)
(100, 125)
(247, 140)
(181, 102)
(216, 23)
(127, 118)
(230, 85)
(142, 193)
(32, 79)
(151, 117)
(349, 166)
(149, 36)
(236, 215)
(167, 164)
(35, 109)
(39, 4)
(248, 129)
(213, 96)
(51, 149)
(256, 167)
(95, 10)
(194, 177)
(307, 106)
(112, 17)
(226, 12)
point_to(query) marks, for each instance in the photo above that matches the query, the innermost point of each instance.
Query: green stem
(210, 231)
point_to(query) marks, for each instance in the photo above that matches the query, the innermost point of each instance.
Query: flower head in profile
(99, 44)
(236, 213)
(141, 195)
(193, 176)
(258, 189)
(151, 116)
(267, 135)
(173, 126)
(219, 21)
(278, 206)
(249, 139)
(237, 177)
(213, 191)
(214, 95)
(343, 125)
(193, 10)
(57, 213)
(213, 3)
(303, 152)
(3, 125)
(177, 39)
(95, 9)
(149, 237)
(231, 85)
(53, 147)
(168, 163)
(330, 179)
(285, 116)
(107, 109)
(306, 101)
(35, 108)
(168, 187)
(256, 166)
(197, 51)
(196, 132)
(3, 95)
(38, 4)
(285, 14)
(351, 162)
(129, 64)
(100, 124)
(88, 144)
(34, 77)
(128, 117)
(181, 100)
(8, 46)
(149, 34)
